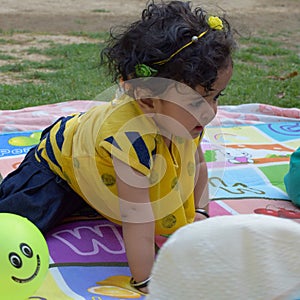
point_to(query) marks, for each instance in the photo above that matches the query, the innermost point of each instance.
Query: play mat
(247, 149)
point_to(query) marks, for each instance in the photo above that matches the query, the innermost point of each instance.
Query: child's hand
(144, 290)
(201, 214)
(199, 217)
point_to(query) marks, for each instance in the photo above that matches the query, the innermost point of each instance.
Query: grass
(262, 73)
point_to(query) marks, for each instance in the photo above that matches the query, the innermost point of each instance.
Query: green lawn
(265, 71)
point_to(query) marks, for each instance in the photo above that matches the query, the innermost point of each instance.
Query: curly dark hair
(163, 29)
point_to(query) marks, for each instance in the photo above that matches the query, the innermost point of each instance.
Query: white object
(249, 257)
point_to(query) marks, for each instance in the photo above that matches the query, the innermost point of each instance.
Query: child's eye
(216, 97)
(196, 104)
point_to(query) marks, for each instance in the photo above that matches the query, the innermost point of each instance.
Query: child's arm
(137, 220)
(201, 194)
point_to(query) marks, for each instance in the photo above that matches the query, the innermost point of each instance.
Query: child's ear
(143, 98)
(140, 93)
(146, 105)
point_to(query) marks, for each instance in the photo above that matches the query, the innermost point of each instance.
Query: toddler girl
(137, 160)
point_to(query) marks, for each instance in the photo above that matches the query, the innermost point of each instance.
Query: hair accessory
(142, 70)
(215, 23)
(193, 40)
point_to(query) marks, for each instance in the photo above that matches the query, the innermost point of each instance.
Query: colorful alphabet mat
(247, 149)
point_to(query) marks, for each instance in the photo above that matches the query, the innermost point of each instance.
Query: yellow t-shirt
(80, 149)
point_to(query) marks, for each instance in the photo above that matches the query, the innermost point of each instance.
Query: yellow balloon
(24, 257)
(22, 141)
(36, 135)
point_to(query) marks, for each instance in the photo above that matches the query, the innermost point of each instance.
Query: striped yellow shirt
(80, 149)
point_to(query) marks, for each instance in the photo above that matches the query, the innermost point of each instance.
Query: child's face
(184, 111)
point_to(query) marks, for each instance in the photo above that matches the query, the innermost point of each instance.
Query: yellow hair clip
(213, 22)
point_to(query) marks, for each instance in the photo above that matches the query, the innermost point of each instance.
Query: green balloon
(24, 257)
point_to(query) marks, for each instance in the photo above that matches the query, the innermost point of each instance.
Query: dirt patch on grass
(97, 15)
(17, 48)
(47, 22)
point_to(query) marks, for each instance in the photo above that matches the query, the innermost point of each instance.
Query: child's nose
(207, 114)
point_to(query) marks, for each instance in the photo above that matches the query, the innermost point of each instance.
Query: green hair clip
(142, 70)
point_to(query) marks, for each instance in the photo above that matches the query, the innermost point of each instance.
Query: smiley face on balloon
(24, 257)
